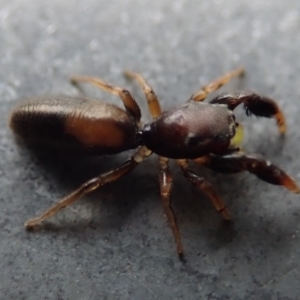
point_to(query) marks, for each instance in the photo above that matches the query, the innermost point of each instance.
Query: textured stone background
(116, 244)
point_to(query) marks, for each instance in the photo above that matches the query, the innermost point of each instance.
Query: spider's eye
(193, 141)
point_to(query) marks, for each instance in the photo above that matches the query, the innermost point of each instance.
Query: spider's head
(194, 130)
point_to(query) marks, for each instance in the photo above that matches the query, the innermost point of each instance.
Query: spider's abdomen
(74, 125)
(191, 131)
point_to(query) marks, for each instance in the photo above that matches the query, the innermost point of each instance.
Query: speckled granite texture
(116, 243)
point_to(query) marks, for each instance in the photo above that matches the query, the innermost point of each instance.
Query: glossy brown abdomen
(74, 124)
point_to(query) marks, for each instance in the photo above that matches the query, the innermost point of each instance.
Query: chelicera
(197, 131)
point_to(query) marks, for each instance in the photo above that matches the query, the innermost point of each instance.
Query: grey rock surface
(116, 243)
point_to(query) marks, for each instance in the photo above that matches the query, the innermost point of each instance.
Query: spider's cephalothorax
(191, 131)
(204, 132)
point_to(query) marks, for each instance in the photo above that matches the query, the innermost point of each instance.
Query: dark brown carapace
(202, 132)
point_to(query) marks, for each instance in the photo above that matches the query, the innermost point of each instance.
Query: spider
(206, 133)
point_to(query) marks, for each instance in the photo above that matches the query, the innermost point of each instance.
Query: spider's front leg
(254, 104)
(238, 162)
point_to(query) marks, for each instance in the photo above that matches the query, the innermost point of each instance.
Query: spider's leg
(152, 100)
(91, 185)
(205, 186)
(215, 85)
(254, 104)
(238, 162)
(129, 102)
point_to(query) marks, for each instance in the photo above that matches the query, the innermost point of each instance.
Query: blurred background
(116, 242)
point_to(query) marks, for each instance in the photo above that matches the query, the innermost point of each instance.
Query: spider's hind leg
(90, 186)
(152, 100)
